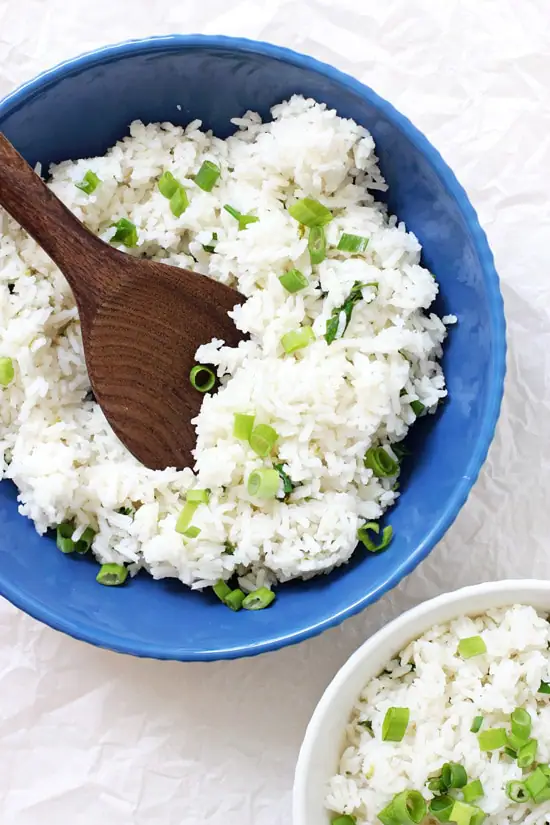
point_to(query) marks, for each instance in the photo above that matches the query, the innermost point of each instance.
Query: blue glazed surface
(81, 108)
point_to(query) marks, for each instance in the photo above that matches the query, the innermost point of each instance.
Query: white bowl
(324, 738)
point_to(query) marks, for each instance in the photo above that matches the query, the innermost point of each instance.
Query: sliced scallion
(202, 378)
(207, 176)
(179, 202)
(380, 462)
(288, 484)
(317, 245)
(297, 339)
(409, 807)
(462, 813)
(352, 243)
(126, 233)
(198, 496)
(492, 739)
(453, 775)
(544, 687)
(521, 723)
(85, 541)
(536, 784)
(472, 791)
(64, 537)
(211, 247)
(417, 407)
(333, 323)
(293, 280)
(472, 646)
(243, 220)
(476, 724)
(345, 819)
(7, 371)
(395, 724)
(516, 791)
(243, 425)
(221, 589)
(264, 483)
(235, 599)
(184, 519)
(192, 532)
(527, 753)
(89, 182)
(112, 575)
(259, 599)
(363, 535)
(168, 185)
(441, 807)
(310, 212)
(262, 439)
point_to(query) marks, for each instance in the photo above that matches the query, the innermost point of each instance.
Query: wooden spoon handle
(60, 234)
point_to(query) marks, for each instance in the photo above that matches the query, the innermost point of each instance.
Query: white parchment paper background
(91, 738)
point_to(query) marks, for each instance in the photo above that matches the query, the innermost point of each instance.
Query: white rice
(328, 403)
(444, 693)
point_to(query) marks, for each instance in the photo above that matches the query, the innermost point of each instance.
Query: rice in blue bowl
(343, 355)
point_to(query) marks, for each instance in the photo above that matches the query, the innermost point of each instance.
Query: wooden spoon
(141, 321)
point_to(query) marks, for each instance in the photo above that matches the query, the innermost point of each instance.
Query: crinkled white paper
(92, 738)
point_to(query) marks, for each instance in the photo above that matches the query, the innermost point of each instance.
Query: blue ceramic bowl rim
(497, 320)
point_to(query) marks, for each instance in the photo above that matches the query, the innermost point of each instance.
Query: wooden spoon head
(140, 345)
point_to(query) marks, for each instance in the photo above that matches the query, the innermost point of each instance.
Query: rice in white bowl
(328, 403)
(444, 693)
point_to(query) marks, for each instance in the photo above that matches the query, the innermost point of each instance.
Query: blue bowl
(81, 108)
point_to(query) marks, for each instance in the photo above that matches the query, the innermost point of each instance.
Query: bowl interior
(80, 110)
(325, 736)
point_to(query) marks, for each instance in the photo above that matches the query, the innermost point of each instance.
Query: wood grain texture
(141, 321)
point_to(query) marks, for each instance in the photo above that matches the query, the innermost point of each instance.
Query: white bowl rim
(384, 635)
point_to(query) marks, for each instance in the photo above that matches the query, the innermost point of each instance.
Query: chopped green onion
(85, 541)
(536, 783)
(126, 511)
(317, 245)
(264, 483)
(472, 791)
(476, 724)
(352, 243)
(202, 378)
(510, 752)
(472, 646)
(126, 233)
(436, 785)
(345, 819)
(417, 407)
(297, 339)
(89, 182)
(184, 519)
(462, 813)
(478, 817)
(207, 176)
(441, 807)
(395, 724)
(242, 426)
(409, 807)
(293, 280)
(222, 590)
(112, 575)
(235, 599)
(310, 212)
(179, 202)
(259, 599)
(544, 768)
(453, 775)
(288, 484)
(521, 723)
(229, 548)
(544, 687)
(514, 742)
(516, 791)
(243, 220)
(380, 462)
(387, 815)
(7, 372)
(64, 537)
(527, 753)
(192, 533)
(333, 323)
(262, 439)
(490, 740)
(364, 537)
(211, 247)
(168, 185)
(198, 496)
